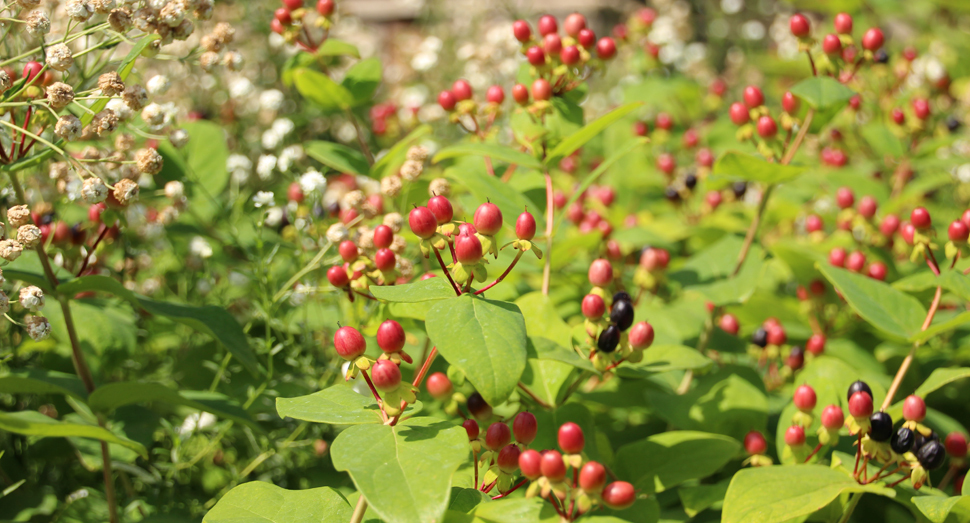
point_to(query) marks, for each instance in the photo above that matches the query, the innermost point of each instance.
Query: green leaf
(709, 272)
(953, 281)
(780, 493)
(823, 93)
(542, 320)
(576, 413)
(32, 423)
(322, 91)
(545, 378)
(336, 405)
(259, 502)
(735, 165)
(362, 80)
(109, 397)
(41, 381)
(334, 47)
(124, 69)
(396, 155)
(666, 460)
(423, 290)
(891, 311)
(485, 187)
(938, 508)
(510, 511)
(491, 150)
(579, 138)
(702, 497)
(591, 178)
(546, 349)
(941, 377)
(404, 471)
(665, 358)
(338, 157)
(485, 339)
(206, 153)
(882, 140)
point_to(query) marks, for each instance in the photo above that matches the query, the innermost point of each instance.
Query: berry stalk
(447, 273)
(502, 277)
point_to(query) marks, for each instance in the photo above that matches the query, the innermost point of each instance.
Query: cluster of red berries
(610, 334)
(385, 370)
(839, 48)
(768, 346)
(289, 20)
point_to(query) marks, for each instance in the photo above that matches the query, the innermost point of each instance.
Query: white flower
(271, 100)
(240, 87)
(175, 190)
(265, 166)
(38, 328)
(238, 162)
(120, 108)
(32, 298)
(271, 139)
(264, 198)
(313, 180)
(283, 126)
(153, 115)
(274, 217)
(158, 85)
(238, 279)
(200, 247)
(94, 190)
(337, 233)
(289, 155)
(197, 421)
(179, 137)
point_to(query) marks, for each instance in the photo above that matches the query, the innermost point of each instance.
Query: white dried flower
(18, 215)
(398, 244)
(405, 267)
(5, 81)
(126, 191)
(337, 233)
(28, 235)
(418, 154)
(105, 122)
(178, 137)
(153, 115)
(158, 85)
(2, 279)
(135, 96)
(120, 108)
(28, 4)
(203, 11)
(60, 57)
(200, 247)
(395, 221)
(439, 187)
(38, 23)
(103, 7)
(79, 10)
(38, 328)
(149, 161)
(172, 14)
(411, 170)
(264, 199)
(271, 100)
(32, 298)
(94, 190)
(208, 61)
(68, 128)
(265, 166)
(175, 190)
(59, 95)
(391, 186)
(10, 250)
(233, 60)
(313, 180)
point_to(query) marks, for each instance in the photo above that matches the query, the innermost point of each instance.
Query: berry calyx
(618, 495)
(488, 219)
(525, 427)
(471, 428)
(593, 307)
(795, 436)
(508, 458)
(592, 477)
(755, 443)
(530, 463)
(956, 444)
(552, 466)
(571, 439)
(422, 222)
(920, 218)
(440, 388)
(799, 25)
(386, 375)
(441, 208)
(914, 408)
(860, 405)
(525, 226)
(468, 249)
(805, 398)
(390, 336)
(349, 343)
(881, 426)
(641, 335)
(600, 272)
(497, 436)
(832, 417)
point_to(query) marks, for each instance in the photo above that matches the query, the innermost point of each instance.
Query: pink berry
(843, 23)
(552, 466)
(441, 208)
(386, 375)
(521, 31)
(666, 163)
(908, 232)
(776, 335)
(831, 44)
(495, 94)
(767, 128)
(958, 231)
(541, 89)
(921, 107)
(729, 324)
(337, 276)
(571, 438)
(471, 428)
(390, 336)
(956, 445)
(739, 113)
(508, 459)
(799, 25)
(920, 218)
(914, 408)
(525, 226)
(790, 102)
(713, 198)
(860, 405)
(593, 306)
(844, 197)
(867, 206)
(383, 237)
(664, 121)
(813, 223)
(525, 427)
(816, 344)
(385, 260)
(325, 7)
(753, 97)
(530, 463)
(795, 436)
(755, 443)
(606, 48)
(873, 39)
(439, 386)
(283, 15)
(570, 55)
(488, 219)
(497, 436)
(641, 335)
(586, 38)
(422, 222)
(600, 273)
(348, 251)
(547, 25)
(856, 261)
(878, 271)
(447, 100)
(468, 249)
(690, 139)
(462, 90)
(592, 477)
(520, 94)
(349, 343)
(536, 56)
(552, 44)
(889, 225)
(618, 495)
(898, 116)
(654, 259)
(805, 398)
(573, 24)
(832, 417)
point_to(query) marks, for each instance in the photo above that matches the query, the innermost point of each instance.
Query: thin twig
(547, 268)
(447, 273)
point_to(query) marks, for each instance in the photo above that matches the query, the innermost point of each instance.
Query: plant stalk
(547, 268)
(359, 510)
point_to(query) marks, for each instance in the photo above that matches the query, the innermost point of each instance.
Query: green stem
(547, 268)
(850, 507)
(359, 510)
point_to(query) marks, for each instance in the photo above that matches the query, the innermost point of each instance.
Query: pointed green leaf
(579, 138)
(338, 157)
(322, 91)
(396, 155)
(823, 93)
(491, 150)
(485, 187)
(891, 311)
(938, 508)
(882, 140)
(422, 290)
(334, 47)
(404, 471)
(259, 502)
(336, 405)
(665, 358)
(114, 395)
(666, 460)
(735, 165)
(363, 79)
(40, 381)
(32, 423)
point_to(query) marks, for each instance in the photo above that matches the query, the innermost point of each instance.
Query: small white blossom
(32, 298)
(200, 247)
(337, 233)
(271, 100)
(38, 328)
(265, 166)
(274, 217)
(263, 199)
(313, 180)
(158, 85)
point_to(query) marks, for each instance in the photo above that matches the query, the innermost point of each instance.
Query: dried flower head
(208, 61)
(395, 221)
(439, 187)
(337, 233)
(4, 303)
(103, 7)
(391, 186)
(94, 190)
(38, 23)
(38, 328)
(172, 14)
(120, 19)
(224, 32)
(233, 61)
(158, 85)
(28, 235)
(146, 19)
(399, 244)
(105, 122)
(111, 84)
(149, 161)
(126, 191)
(153, 115)
(175, 190)
(59, 94)
(203, 11)
(18, 215)
(418, 154)
(411, 170)
(135, 97)
(28, 4)
(68, 128)
(5, 81)
(10, 250)
(183, 30)
(60, 57)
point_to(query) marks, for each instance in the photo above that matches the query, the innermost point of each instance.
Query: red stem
(490, 487)
(811, 61)
(814, 452)
(374, 390)
(445, 270)
(504, 274)
(104, 231)
(511, 490)
(368, 296)
(417, 383)
(901, 480)
(858, 454)
(23, 135)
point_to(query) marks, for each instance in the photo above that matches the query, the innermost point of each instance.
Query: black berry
(672, 195)
(902, 440)
(919, 440)
(609, 339)
(691, 181)
(760, 337)
(859, 386)
(622, 314)
(622, 296)
(739, 188)
(478, 406)
(882, 426)
(796, 358)
(952, 123)
(931, 455)
(881, 57)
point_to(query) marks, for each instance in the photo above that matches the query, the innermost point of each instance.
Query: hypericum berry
(908, 232)
(525, 427)
(570, 55)
(860, 405)
(654, 259)
(383, 237)
(856, 261)
(385, 260)
(844, 197)
(525, 226)
(571, 439)
(348, 251)
(882, 426)
(573, 24)
(799, 25)
(520, 94)
(488, 219)
(547, 25)
(447, 100)
(776, 335)
(349, 343)
(816, 344)
(471, 428)
(606, 48)
(914, 408)
(592, 477)
(831, 44)
(31, 70)
(440, 208)
(837, 257)
(755, 443)
(664, 121)
(921, 108)
(497, 436)
(641, 335)
(618, 495)
(739, 113)
(552, 466)
(760, 337)
(796, 358)
(608, 339)
(713, 198)
(753, 97)
(690, 138)
(931, 455)
(878, 271)
(552, 44)
(423, 222)
(666, 163)
(795, 436)
(805, 398)
(325, 7)
(439, 386)
(832, 417)
(508, 458)
(919, 439)
(898, 116)
(535, 55)
(873, 39)
(541, 89)
(586, 38)
(813, 223)
(468, 249)
(478, 407)
(858, 386)
(902, 440)
(789, 102)
(729, 324)
(337, 276)
(283, 15)
(530, 463)
(390, 336)
(386, 375)
(593, 306)
(867, 206)
(843, 23)
(889, 225)
(462, 90)
(920, 218)
(956, 444)
(622, 314)
(521, 31)
(767, 128)
(958, 231)
(965, 217)
(600, 272)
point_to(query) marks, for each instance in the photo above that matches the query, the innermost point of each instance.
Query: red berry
(383, 237)
(914, 408)
(898, 116)
(521, 31)
(654, 258)
(600, 273)
(348, 251)
(889, 225)
(573, 24)
(283, 15)
(855, 102)
(586, 38)
(690, 139)
(462, 90)
(293, 4)
(956, 445)
(385, 260)
(805, 398)
(873, 39)
(386, 375)
(525, 226)
(920, 218)
(571, 438)
(325, 7)
(390, 336)
(795, 436)
(530, 463)
(441, 208)
(618, 495)
(705, 157)
(664, 121)
(468, 249)
(349, 343)
(31, 70)
(816, 344)
(552, 44)
(958, 231)
(832, 417)
(856, 261)
(294, 192)
(547, 24)
(831, 44)
(541, 89)
(860, 405)
(921, 107)
(569, 55)
(439, 386)
(776, 335)
(965, 217)
(423, 222)
(867, 207)
(843, 23)
(755, 443)
(844, 197)
(447, 100)
(276, 26)
(640, 128)
(520, 94)
(62, 232)
(909, 54)
(471, 428)
(508, 459)
(813, 223)
(729, 324)
(488, 219)
(908, 232)
(666, 163)
(739, 113)
(337, 276)
(593, 306)
(495, 94)
(592, 477)
(497, 436)
(606, 48)
(525, 427)
(753, 97)
(767, 128)
(641, 335)
(790, 102)
(713, 198)
(552, 466)
(878, 271)
(799, 25)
